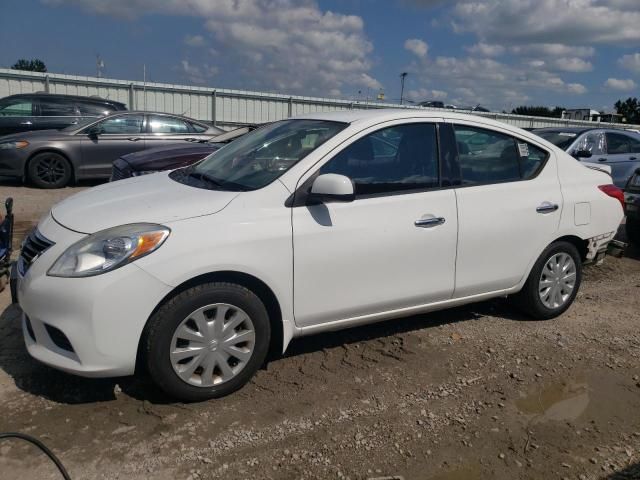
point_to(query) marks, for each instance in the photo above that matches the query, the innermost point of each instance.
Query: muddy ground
(471, 393)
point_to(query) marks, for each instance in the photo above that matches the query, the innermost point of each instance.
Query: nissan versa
(305, 225)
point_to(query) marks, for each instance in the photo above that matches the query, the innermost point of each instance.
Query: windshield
(559, 138)
(259, 157)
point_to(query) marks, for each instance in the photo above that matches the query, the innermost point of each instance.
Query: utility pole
(403, 75)
(99, 66)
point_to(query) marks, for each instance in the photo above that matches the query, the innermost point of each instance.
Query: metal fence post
(46, 83)
(214, 97)
(290, 106)
(132, 97)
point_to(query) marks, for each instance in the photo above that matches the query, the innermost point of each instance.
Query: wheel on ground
(49, 170)
(207, 342)
(633, 231)
(553, 283)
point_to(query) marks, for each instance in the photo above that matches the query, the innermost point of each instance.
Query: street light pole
(402, 77)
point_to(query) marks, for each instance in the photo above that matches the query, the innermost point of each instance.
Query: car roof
(94, 99)
(374, 116)
(143, 112)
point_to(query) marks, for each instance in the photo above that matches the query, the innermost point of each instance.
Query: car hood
(35, 135)
(164, 157)
(152, 198)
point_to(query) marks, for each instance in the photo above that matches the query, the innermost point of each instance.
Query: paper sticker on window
(523, 148)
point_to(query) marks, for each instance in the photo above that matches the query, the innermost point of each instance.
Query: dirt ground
(472, 393)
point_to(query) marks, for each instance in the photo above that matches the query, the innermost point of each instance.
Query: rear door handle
(602, 159)
(429, 222)
(134, 139)
(632, 158)
(547, 207)
(26, 123)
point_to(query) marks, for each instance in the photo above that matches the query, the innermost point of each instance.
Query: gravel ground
(470, 393)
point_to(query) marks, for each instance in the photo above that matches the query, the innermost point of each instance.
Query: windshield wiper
(204, 177)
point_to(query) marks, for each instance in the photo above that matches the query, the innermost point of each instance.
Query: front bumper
(12, 162)
(85, 326)
(632, 205)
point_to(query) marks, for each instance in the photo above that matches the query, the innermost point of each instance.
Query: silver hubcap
(557, 281)
(212, 345)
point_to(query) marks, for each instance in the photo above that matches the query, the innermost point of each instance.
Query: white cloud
(194, 40)
(576, 88)
(630, 62)
(623, 85)
(486, 49)
(417, 47)
(577, 65)
(553, 50)
(567, 22)
(196, 73)
(283, 45)
(423, 94)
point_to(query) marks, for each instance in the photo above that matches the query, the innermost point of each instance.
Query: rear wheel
(49, 170)
(553, 283)
(633, 231)
(207, 341)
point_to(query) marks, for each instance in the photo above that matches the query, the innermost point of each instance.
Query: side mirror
(582, 154)
(94, 131)
(331, 187)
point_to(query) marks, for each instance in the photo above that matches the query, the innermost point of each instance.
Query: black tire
(528, 299)
(158, 336)
(633, 231)
(49, 170)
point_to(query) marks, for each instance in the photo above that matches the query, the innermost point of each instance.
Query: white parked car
(310, 224)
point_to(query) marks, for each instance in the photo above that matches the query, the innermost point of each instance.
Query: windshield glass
(559, 138)
(259, 157)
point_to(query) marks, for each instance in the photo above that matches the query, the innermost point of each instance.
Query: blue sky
(499, 53)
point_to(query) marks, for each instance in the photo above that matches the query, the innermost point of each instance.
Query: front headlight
(109, 249)
(12, 145)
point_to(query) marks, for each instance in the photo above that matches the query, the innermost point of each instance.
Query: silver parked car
(53, 158)
(620, 149)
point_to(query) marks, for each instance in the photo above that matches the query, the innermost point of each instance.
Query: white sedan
(305, 225)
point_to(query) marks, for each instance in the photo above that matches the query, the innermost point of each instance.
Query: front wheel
(553, 283)
(633, 231)
(207, 341)
(49, 170)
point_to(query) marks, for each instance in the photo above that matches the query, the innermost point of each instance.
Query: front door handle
(134, 139)
(602, 159)
(26, 123)
(632, 158)
(429, 222)
(547, 207)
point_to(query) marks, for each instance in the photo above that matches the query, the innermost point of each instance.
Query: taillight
(614, 192)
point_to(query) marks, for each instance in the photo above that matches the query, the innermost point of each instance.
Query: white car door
(509, 206)
(391, 248)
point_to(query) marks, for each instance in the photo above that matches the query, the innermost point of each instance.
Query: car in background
(54, 158)
(195, 275)
(42, 111)
(172, 156)
(632, 208)
(615, 148)
(432, 104)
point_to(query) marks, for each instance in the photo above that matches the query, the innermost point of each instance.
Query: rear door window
(617, 143)
(486, 156)
(58, 107)
(170, 125)
(91, 109)
(126, 124)
(16, 107)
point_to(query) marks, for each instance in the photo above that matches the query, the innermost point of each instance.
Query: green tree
(538, 111)
(35, 65)
(629, 109)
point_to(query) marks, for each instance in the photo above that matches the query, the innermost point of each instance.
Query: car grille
(34, 246)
